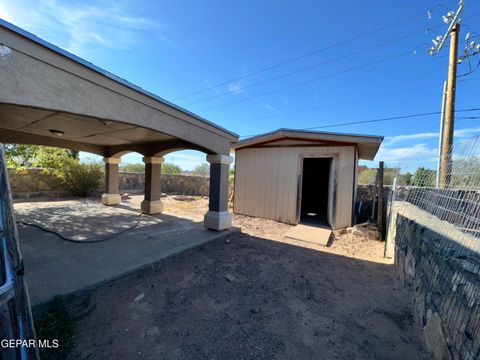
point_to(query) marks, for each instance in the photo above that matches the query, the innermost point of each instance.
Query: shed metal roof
(367, 145)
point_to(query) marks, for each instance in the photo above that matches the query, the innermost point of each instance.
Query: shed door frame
(331, 184)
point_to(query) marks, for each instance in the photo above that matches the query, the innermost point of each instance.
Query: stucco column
(111, 196)
(153, 171)
(218, 217)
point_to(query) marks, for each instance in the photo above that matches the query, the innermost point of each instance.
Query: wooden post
(446, 160)
(380, 198)
(374, 197)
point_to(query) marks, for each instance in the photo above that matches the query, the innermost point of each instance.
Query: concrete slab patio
(314, 234)
(55, 266)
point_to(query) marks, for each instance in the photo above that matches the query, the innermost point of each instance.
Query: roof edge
(285, 131)
(111, 76)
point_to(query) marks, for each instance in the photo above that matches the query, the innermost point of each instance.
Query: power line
(298, 58)
(374, 120)
(467, 117)
(311, 66)
(345, 102)
(304, 55)
(310, 81)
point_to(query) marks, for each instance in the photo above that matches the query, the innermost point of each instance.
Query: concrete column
(218, 217)
(111, 196)
(153, 171)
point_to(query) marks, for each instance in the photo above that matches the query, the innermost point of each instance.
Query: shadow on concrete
(55, 266)
(89, 220)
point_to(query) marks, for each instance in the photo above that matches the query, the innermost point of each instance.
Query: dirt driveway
(250, 297)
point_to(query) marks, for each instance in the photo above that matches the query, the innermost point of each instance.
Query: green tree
(202, 170)
(133, 168)
(424, 177)
(80, 178)
(389, 175)
(19, 155)
(367, 177)
(465, 173)
(171, 169)
(405, 179)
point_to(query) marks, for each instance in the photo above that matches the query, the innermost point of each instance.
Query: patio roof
(52, 97)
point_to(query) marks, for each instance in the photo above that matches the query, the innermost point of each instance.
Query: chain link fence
(457, 201)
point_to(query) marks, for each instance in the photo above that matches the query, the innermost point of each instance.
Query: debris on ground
(365, 232)
(361, 240)
(229, 277)
(139, 297)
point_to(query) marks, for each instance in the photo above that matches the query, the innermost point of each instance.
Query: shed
(295, 176)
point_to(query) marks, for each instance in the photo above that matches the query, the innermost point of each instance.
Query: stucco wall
(442, 266)
(34, 182)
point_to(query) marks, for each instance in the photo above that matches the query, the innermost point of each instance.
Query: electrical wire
(317, 65)
(311, 66)
(365, 98)
(311, 80)
(307, 54)
(374, 120)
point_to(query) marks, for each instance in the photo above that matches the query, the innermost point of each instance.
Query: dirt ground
(253, 295)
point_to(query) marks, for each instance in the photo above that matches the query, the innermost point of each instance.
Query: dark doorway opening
(315, 186)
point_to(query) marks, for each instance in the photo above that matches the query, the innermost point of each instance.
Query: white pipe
(440, 135)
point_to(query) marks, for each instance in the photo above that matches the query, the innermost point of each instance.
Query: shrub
(202, 170)
(80, 178)
(171, 169)
(133, 168)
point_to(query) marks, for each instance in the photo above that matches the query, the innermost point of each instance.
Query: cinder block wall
(443, 269)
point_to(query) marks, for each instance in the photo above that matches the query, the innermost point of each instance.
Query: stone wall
(171, 184)
(34, 182)
(185, 185)
(442, 266)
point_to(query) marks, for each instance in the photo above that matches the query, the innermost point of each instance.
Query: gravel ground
(254, 295)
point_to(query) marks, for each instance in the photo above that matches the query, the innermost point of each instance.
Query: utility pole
(453, 20)
(446, 160)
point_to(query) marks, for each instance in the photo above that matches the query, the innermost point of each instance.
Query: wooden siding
(266, 182)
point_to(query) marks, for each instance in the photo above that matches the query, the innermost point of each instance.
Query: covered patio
(71, 245)
(51, 97)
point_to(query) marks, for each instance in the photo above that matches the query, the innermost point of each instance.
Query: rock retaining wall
(34, 182)
(442, 266)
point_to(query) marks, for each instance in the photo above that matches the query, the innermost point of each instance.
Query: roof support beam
(19, 137)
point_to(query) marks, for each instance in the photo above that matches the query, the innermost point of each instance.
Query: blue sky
(174, 48)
